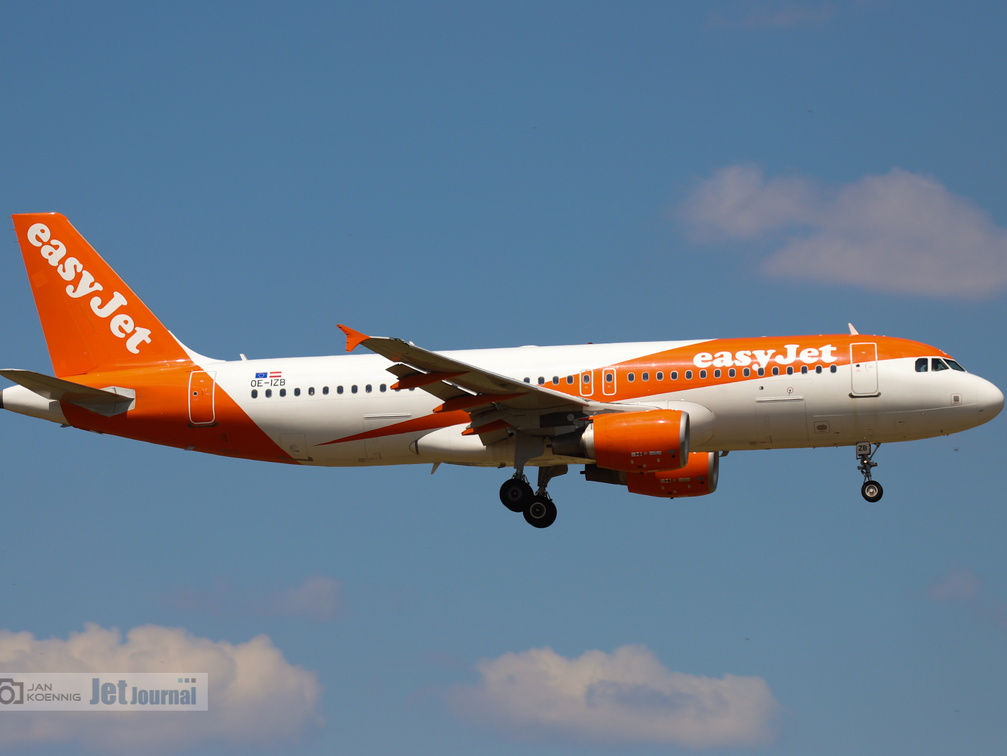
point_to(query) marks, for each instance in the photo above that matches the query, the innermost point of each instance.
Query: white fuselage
(330, 398)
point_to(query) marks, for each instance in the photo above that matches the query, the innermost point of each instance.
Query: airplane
(654, 417)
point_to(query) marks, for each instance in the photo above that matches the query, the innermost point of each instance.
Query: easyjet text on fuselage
(761, 357)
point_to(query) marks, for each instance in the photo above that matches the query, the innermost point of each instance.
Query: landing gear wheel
(541, 512)
(516, 494)
(872, 491)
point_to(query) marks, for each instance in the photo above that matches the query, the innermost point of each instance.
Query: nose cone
(990, 401)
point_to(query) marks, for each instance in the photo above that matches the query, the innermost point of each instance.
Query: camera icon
(11, 692)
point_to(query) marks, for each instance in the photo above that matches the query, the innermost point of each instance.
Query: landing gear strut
(537, 506)
(871, 490)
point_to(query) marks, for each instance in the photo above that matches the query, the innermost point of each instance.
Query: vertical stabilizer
(91, 319)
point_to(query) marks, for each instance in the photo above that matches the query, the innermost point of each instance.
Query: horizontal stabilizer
(107, 402)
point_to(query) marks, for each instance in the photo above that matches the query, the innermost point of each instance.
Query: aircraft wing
(494, 402)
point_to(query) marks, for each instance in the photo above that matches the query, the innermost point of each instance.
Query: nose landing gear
(871, 490)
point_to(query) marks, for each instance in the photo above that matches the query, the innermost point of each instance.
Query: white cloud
(958, 585)
(899, 232)
(319, 597)
(738, 203)
(256, 696)
(626, 697)
(962, 587)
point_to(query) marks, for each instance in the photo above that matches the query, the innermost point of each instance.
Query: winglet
(853, 331)
(353, 338)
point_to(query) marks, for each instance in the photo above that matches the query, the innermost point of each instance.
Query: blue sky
(471, 175)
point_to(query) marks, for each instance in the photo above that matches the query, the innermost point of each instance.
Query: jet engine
(697, 477)
(631, 442)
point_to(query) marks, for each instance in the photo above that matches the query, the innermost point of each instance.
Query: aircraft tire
(516, 495)
(541, 512)
(872, 491)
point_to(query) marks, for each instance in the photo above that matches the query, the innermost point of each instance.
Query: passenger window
(645, 377)
(921, 365)
(283, 392)
(297, 392)
(702, 374)
(325, 390)
(660, 375)
(339, 390)
(269, 393)
(311, 391)
(732, 373)
(674, 375)
(255, 394)
(688, 375)
(631, 377)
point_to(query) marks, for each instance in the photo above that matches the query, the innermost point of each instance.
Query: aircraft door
(202, 390)
(864, 369)
(587, 383)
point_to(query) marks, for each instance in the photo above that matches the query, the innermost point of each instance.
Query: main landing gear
(871, 490)
(537, 506)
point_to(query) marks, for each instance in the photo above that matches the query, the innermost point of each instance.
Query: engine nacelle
(636, 442)
(697, 478)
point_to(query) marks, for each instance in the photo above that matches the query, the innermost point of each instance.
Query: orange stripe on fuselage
(737, 354)
(161, 414)
(413, 425)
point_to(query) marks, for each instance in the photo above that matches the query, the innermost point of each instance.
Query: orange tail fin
(91, 319)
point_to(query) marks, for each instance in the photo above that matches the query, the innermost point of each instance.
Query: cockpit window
(936, 363)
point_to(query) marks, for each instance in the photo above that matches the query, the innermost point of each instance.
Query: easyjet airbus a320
(654, 417)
